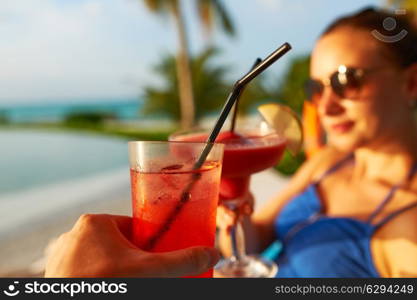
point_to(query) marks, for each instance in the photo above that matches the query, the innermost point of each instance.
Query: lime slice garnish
(285, 122)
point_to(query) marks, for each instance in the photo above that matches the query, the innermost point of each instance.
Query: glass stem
(237, 238)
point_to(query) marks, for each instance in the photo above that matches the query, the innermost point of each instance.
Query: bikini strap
(394, 214)
(335, 167)
(381, 205)
(390, 194)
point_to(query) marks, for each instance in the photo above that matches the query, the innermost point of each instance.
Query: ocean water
(125, 109)
(30, 159)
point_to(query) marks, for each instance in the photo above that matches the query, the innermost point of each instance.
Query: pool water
(31, 159)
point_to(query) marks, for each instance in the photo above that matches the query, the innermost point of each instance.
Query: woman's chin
(344, 144)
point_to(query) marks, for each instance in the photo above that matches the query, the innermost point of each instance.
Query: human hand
(226, 217)
(98, 246)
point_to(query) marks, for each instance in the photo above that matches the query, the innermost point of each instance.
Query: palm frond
(224, 17)
(160, 6)
(153, 5)
(205, 12)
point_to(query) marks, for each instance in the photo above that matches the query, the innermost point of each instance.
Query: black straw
(236, 106)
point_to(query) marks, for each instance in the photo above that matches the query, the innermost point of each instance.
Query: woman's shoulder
(396, 243)
(322, 161)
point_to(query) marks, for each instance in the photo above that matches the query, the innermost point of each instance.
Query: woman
(351, 210)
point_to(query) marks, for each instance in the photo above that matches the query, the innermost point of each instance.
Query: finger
(109, 226)
(185, 262)
(224, 218)
(226, 212)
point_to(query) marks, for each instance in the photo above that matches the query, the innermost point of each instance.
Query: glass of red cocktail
(249, 149)
(174, 203)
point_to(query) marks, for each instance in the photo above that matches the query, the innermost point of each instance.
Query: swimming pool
(31, 158)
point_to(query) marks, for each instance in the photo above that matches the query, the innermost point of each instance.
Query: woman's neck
(389, 161)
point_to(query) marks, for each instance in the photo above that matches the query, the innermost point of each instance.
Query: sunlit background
(79, 78)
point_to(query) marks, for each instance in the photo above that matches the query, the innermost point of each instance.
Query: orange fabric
(312, 130)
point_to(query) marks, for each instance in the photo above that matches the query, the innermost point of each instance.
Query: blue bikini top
(315, 245)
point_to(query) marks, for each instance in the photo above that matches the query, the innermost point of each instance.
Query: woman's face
(377, 114)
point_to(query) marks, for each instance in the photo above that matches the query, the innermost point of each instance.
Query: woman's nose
(329, 103)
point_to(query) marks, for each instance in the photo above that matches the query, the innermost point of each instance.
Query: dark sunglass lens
(346, 84)
(353, 77)
(338, 82)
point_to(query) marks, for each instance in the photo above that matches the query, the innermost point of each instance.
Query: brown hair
(404, 51)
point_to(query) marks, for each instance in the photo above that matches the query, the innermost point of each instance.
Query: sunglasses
(346, 82)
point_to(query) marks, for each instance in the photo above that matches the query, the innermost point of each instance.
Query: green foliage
(87, 118)
(291, 90)
(289, 164)
(214, 9)
(159, 6)
(113, 129)
(4, 119)
(210, 87)
(164, 100)
(142, 135)
(255, 93)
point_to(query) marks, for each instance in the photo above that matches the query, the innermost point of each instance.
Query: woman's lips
(342, 127)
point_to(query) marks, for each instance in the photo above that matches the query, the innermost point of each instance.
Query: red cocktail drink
(165, 220)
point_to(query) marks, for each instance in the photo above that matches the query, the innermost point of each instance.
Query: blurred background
(80, 78)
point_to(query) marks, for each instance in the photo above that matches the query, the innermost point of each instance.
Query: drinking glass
(174, 204)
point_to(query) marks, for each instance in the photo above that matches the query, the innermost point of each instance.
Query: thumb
(185, 262)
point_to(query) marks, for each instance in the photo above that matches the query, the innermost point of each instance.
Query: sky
(72, 50)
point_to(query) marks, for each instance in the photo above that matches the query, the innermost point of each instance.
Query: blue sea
(124, 109)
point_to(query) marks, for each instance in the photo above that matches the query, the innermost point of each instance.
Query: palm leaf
(160, 6)
(205, 13)
(225, 19)
(154, 5)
